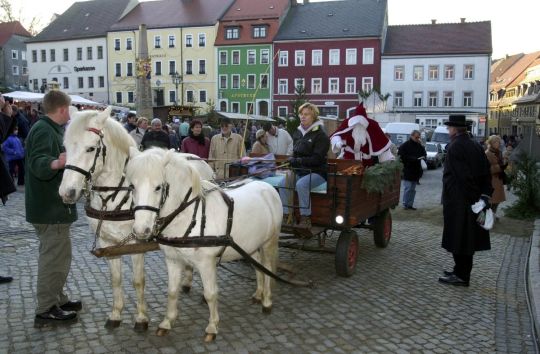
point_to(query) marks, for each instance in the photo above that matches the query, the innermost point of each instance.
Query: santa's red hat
(359, 117)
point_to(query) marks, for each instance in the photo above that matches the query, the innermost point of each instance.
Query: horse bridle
(164, 196)
(101, 148)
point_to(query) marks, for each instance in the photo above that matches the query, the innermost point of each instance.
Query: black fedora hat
(456, 120)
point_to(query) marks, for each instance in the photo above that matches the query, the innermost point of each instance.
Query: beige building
(180, 40)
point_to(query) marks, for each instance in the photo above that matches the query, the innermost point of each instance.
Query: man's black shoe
(74, 305)
(55, 316)
(447, 273)
(453, 279)
(5, 279)
(409, 208)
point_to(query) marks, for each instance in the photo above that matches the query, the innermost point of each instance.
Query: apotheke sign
(84, 68)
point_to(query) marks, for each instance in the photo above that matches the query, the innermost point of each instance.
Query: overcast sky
(514, 26)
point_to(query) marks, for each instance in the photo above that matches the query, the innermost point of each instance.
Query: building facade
(13, 56)
(431, 82)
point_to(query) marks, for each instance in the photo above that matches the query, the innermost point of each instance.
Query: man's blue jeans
(409, 191)
(303, 187)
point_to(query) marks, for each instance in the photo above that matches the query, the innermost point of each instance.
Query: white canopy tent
(75, 99)
(38, 97)
(243, 116)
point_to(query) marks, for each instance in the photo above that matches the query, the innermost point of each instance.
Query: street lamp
(177, 79)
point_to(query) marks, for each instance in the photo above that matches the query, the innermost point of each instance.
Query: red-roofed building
(13, 66)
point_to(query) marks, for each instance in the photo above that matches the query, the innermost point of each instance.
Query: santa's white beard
(359, 135)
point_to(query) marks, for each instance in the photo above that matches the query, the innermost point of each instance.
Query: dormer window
(232, 32)
(259, 31)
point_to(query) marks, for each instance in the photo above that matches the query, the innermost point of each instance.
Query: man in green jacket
(45, 160)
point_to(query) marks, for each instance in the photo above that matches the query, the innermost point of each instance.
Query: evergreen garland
(379, 177)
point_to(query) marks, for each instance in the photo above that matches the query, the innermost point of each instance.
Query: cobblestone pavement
(393, 303)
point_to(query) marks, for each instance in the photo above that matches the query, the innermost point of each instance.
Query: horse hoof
(210, 337)
(186, 289)
(112, 324)
(254, 300)
(140, 327)
(160, 332)
(267, 310)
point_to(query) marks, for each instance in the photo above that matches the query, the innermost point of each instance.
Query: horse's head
(160, 179)
(85, 151)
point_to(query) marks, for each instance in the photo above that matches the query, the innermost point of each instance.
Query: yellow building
(180, 39)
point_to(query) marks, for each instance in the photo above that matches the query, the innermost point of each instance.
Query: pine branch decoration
(379, 177)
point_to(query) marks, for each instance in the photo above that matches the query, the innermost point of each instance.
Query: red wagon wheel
(346, 253)
(382, 229)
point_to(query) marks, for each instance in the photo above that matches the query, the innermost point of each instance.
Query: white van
(400, 132)
(441, 136)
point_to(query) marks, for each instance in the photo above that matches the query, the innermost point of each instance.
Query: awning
(38, 97)
(242, 116)
(75, 99)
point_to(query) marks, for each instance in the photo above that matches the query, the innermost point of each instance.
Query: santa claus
(361, 138)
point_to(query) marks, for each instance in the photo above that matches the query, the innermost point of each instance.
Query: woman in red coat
(196, 143)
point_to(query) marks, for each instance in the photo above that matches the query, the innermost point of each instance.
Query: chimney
(433, 21)
(462, 19)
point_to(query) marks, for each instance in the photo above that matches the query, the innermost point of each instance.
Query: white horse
(255, 227)
(97, 150)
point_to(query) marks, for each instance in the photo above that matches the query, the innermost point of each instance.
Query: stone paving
(393, 303)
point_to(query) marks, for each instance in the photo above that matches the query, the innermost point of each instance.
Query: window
(249, 107)
(24, 70)
(399, 72)
(34, 56)
(251, 57)
(90, 82)
(222, 81)
(350, 85)
(265, 56)
(418, 73)
(80, 82)
(189, 96)
(316, 57)
(398, 99)
(202, 96)
(251, 81)
(333, 85)
(129, 69)
(52, 55)
(158, 68)
(283, 58)
(157, 41)
(417, 99)
(299, 84)
(235, 81)
(282, 111)
(433, 98)
(202, 40)
(119, 97)
(283, 86)
(172, 41)
(334, 57)
(223, 57)
(117, 47)
(232, 32)
(367, 83)
(299, 58)
(449, 72)
(66, 82)
(79, 53)
(14, 54)
(117, 69)
(189, 40)
(130, 97)
(172, 96)
(368, 56)
(235, 106)
(264, 81)
(433, 72)
(23, 55)
(43, 55)
(236, 57)
(350, 56)
(100, 52)
(129, 43)
(15, 70)
(101, 81)
(189, 67)
(467, 99)
(448, 98)
(468, 72)
(35, 84)
(89, 53)
(259, 32)
(172, 67)
(202, 66)
(66, 54)
(316, 86)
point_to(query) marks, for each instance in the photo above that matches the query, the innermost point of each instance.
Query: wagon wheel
(346, 253)
(382, 229)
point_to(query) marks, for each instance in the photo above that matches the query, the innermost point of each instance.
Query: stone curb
(533, 281)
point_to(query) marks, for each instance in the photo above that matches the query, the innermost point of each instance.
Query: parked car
(435, 155)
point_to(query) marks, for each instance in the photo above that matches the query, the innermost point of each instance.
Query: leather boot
(305, 222)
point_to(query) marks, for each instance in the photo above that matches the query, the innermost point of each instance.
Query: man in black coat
(410, 153)
(466, 180)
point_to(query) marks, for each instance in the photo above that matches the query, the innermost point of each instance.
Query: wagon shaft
(115, 251)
